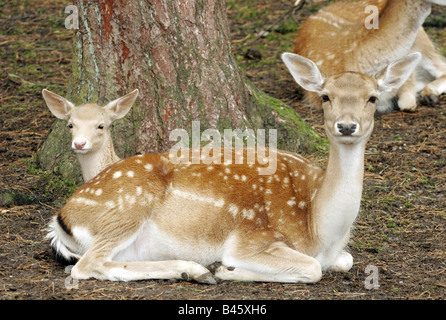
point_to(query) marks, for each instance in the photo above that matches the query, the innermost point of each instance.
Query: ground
(398, 241)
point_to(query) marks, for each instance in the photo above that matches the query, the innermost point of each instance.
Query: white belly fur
(153, 244)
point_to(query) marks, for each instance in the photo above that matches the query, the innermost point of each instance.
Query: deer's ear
(304, 71)
(396, 74)
(59, 106)
(120, 107)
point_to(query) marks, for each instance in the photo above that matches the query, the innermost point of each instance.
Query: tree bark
(178, 54)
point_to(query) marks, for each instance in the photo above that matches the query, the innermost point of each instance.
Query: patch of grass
(279, 33)
(13, 197)
(361, 245)
(55, 187)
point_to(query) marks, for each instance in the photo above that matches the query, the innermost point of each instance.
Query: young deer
(147, 218)
(337, 39)
(89, 125)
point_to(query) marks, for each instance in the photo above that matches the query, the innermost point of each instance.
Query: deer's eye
(372, 99)
(70, 126)
(101, 126)
(325, 98)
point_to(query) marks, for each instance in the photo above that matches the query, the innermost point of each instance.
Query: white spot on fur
(313, 195)
(121, 203)
(110, 204)
(130, 174)
(98, 192)
(248, 214)
(138, 190)
(148, 197)
(233, 209)
(190, 196)
(117, 174)
(219, 203)
(86, 201)
(302, 204)
(148, 167)
(130, 199)
(291, 203)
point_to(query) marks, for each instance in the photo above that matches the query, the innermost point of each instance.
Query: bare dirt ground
(400, 231)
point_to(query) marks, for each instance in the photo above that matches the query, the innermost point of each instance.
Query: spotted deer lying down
(148, 218)
(365, 36)
(89, 126)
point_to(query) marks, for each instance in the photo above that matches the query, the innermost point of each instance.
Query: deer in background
(337, 39)
(89, 126)
(148, 218)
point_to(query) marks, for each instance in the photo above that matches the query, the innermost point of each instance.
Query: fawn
(89, 125)
(147, 218)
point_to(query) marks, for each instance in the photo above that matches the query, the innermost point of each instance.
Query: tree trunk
(178, 54)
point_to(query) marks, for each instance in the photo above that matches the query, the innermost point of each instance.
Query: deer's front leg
(263, 256)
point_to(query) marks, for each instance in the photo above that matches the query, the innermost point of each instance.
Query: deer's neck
(94, 162)
(338, 199)
(399, 24)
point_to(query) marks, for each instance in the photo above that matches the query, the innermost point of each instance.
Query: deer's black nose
(347, 129)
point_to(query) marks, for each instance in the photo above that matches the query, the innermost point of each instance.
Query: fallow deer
(89, 125)
(338, 39)
(148, 218)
